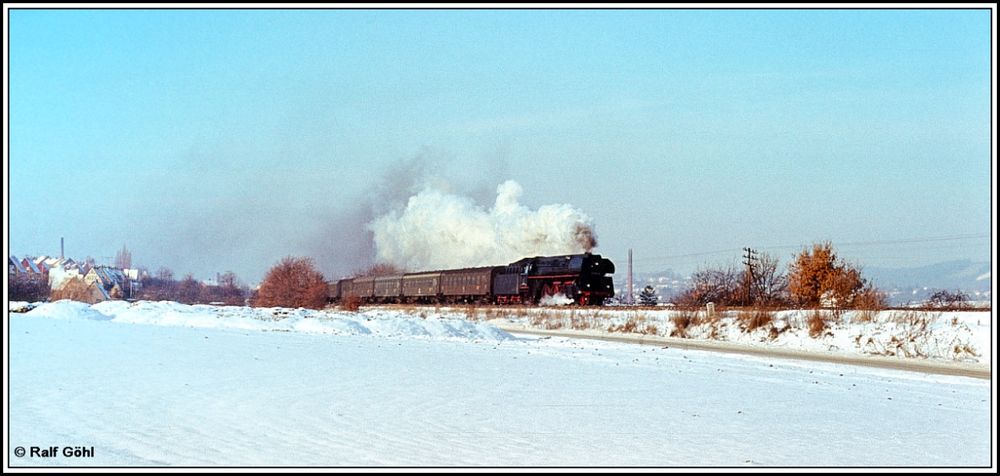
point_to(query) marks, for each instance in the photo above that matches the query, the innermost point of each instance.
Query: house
(32, 268)
(51, 262)
(59, 276)
(14, 266)
(114, 283)
(78, 290)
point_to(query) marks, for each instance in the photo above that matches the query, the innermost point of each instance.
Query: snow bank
(954, 336)
(376, 322)
(66, 309)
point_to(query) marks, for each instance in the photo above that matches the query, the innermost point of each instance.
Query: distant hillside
(904, 285)
(962, 274)
(916, 284)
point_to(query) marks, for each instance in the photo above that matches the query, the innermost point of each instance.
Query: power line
(855, 243)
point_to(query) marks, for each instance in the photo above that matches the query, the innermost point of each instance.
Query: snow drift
(375, 322)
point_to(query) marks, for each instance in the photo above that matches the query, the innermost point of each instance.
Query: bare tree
(380, 269)
(123, 259)
(189, 290)
(228, 291)
(164, 273)
(770, 285)
(228, 279)
(949, 300)
(722, 286)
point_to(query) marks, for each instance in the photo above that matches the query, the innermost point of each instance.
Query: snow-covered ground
(169, 384)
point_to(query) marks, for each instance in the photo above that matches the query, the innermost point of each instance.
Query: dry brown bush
(32, 288)
(681, 323)
(634, 324)
(472, 313)
(293, 282)
(818, 274)
(755, 318)
(915, 322)
(817, 323)
(351, 303)
(545, 320)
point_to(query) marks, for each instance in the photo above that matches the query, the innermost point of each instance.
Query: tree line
(163, 287)
(817, 277)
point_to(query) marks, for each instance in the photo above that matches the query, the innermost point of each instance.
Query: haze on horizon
(208, 141)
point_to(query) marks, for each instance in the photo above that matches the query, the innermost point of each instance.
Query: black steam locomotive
(582, 278)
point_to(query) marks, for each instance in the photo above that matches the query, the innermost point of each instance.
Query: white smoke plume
(438, 230)
(556, 300)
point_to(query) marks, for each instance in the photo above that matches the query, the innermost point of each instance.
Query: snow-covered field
(169, 384)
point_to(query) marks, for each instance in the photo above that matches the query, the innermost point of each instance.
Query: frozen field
(167, 384)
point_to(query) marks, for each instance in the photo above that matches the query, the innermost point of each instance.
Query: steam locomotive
(582, 278)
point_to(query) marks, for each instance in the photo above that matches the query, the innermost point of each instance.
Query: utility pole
(749, 258)
(628, 297)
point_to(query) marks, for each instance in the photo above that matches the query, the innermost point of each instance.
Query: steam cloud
(439, 230)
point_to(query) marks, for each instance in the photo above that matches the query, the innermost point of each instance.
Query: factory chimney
(62, 247)
(628, 298)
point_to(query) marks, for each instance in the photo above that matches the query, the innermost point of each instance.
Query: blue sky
(222, 140)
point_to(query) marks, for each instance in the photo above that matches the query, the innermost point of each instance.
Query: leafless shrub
(380, 269)
(915, 321)
(629, 327)
(964, 350)
(719, 285)
(578, 321)
(949, 300)
(864, 316)
(769, 286)
(682, 319)
(817, 323)
(351, 303)
(635, 324)
(29, 288)
(472, 313)
(545, 320)
(755, 318)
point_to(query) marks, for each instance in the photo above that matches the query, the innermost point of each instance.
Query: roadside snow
(953, 336)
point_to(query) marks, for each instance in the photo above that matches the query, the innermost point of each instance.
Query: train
(583, 278)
